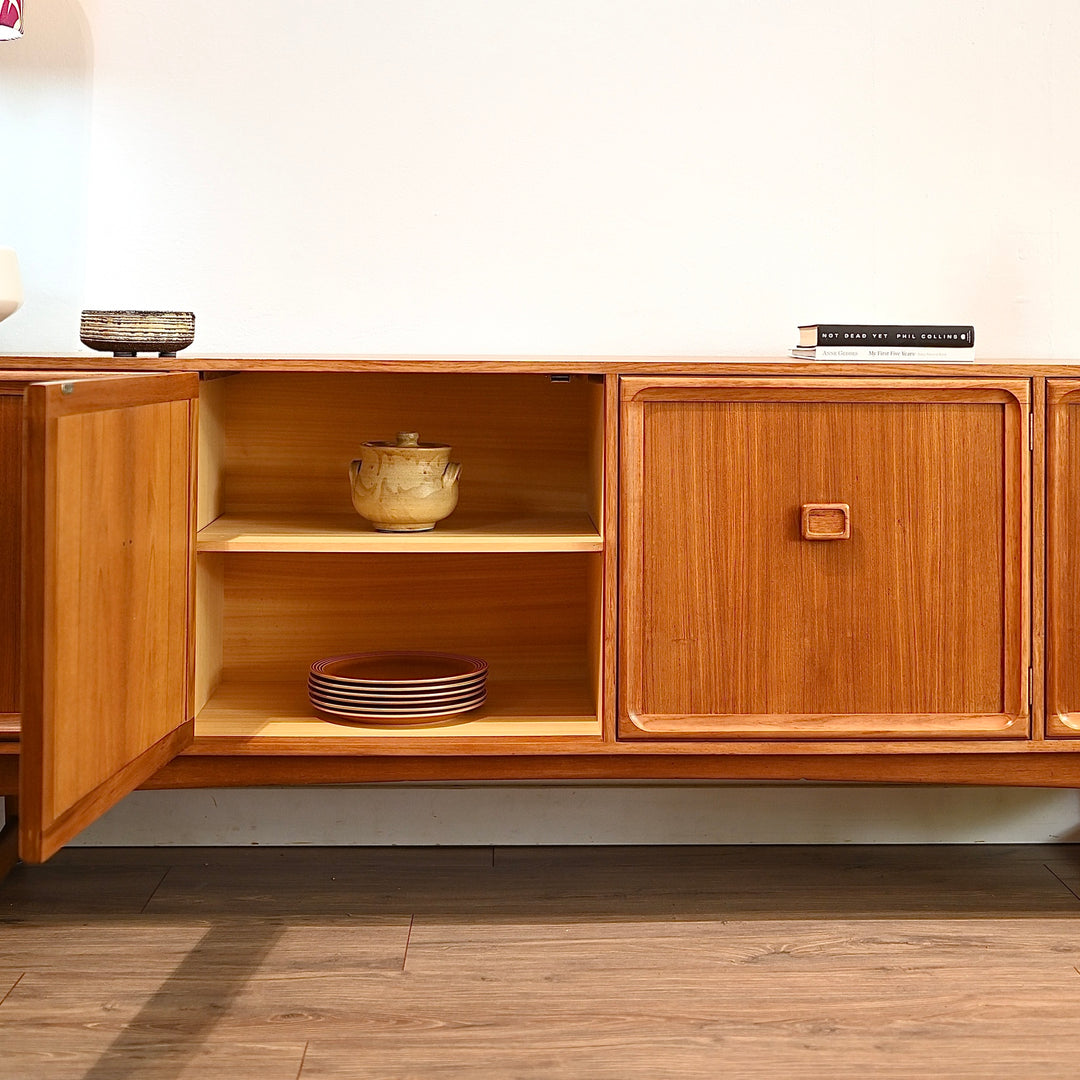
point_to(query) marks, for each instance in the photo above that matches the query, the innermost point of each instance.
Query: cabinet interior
(288, 572)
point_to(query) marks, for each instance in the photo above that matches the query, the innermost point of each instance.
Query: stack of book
(887, 343)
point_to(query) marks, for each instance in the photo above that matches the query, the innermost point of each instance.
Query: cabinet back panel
(11, 433)
(523, 441)
(528, 616)
(742, 615)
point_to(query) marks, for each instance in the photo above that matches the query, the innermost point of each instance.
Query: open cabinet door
(108, 543)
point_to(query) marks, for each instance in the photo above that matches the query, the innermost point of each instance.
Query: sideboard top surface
(563, 364)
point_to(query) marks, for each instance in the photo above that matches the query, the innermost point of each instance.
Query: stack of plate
(397, 687)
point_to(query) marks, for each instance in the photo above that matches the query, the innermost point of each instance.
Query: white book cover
(884, 354)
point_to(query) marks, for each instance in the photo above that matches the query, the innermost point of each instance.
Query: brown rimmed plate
(399, 669)
(403, 718)
(394, 706)
(402, 698)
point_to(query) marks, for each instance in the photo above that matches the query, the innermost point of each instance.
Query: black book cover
(880, 334)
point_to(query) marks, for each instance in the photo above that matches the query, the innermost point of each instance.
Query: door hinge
(1031, 688)
(1031, 431)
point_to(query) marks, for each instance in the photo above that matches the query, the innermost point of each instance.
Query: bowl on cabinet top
(126, 333)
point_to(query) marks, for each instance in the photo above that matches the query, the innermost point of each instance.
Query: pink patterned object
(10, 19)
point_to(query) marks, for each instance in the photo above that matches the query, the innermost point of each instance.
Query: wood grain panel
(12, 390)
(1063, 557)
(211, 450)
(245, 763)
(609, 584)
(209, 625)
(736, 625)
(120, 565)
(523, 441)
(109, 532)
(11, 452)
(1038, 560)
(741, 366)
(527, 615)
(464, 530)
(279, 714)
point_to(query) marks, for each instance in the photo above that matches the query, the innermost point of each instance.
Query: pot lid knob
(408, 438)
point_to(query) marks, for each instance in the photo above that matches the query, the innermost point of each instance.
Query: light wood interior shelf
(463, 531)
(265, 616)
(539, 708)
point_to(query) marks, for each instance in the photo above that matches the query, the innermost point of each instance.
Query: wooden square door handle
(826, 521)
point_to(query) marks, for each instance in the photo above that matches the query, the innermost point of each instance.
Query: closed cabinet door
(827, 558)
(1063, 557)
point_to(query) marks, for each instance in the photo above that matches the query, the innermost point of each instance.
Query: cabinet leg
(9, 836)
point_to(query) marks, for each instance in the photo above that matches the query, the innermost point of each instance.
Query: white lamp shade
(10, 19)
(11, 293)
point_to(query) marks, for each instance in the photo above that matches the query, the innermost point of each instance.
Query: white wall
(666, 176)
(572, 176)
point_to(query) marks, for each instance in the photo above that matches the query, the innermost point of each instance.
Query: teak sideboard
(675, 567)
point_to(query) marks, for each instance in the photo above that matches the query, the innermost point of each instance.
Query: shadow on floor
(173, 1027)
(551, 884)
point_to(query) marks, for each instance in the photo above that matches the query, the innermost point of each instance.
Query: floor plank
(223, 951)
(30, 1053)
(1064, 864)
(331, 883)
(58, 890)
(621, 883)
(288, 860)
(748, 1054)
(829, 945)
(785, 882)
(8, 981)
(892, 857)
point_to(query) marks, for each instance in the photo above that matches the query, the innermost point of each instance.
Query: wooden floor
(305, 964)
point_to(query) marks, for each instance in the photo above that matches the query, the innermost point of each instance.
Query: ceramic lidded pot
(405, 485)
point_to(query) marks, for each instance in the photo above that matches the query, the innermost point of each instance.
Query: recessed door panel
(832, 558)
(1063, 557)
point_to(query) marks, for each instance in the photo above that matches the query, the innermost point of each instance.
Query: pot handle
(354, 471)
(451, 474)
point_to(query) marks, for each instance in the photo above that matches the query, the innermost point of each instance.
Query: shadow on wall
(46, 80)
(1069, 836)
(647, 813)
